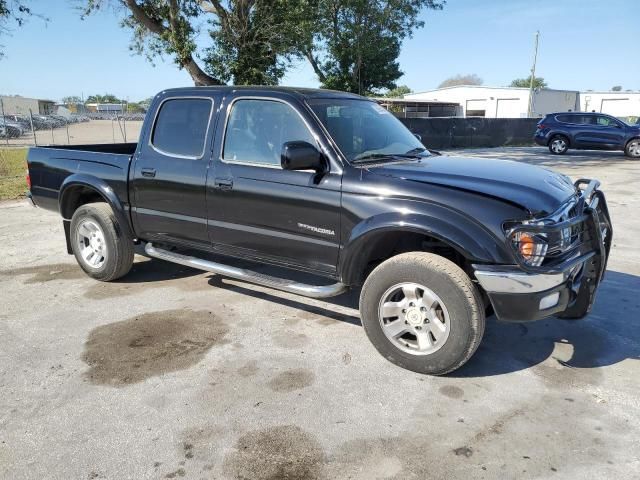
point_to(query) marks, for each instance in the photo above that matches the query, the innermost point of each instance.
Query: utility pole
(533, 75)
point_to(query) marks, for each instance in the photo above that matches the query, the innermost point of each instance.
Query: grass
(13, 168)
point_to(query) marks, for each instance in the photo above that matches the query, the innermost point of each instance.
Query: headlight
(532, 247)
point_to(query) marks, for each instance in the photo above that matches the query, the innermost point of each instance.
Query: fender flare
(103, 189)
(470, 239)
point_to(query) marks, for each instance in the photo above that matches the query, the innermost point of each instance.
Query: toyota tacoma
(332, 184)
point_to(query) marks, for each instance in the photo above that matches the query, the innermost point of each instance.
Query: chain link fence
(26, 128)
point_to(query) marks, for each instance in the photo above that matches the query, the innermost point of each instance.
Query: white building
(617, 104)
(502, 102)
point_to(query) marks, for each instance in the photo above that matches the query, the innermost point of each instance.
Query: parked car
(11, 129)
(332, 184)
(19, 119)
(587, 131)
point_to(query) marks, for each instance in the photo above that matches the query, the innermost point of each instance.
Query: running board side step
(313, 291)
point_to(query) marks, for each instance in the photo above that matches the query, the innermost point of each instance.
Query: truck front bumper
(566, 289)
(518, 296)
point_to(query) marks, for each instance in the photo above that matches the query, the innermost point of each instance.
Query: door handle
(148, 172)
(223, 183)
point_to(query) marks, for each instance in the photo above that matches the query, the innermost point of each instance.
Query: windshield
(364, 130)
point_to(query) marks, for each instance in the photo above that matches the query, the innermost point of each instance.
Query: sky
(584, 45)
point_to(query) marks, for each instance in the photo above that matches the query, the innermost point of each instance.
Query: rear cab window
(181, 125)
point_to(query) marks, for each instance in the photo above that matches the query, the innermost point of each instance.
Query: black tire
(118, 249)
(632, 148)
(454, 288)
(558, 145)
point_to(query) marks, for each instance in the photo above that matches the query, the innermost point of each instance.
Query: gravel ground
(173, 373)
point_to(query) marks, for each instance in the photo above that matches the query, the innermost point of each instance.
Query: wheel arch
(375, 240)
(565, 135)
(81, 189)
(626, 144)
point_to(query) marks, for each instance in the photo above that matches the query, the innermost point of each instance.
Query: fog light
(549, 301)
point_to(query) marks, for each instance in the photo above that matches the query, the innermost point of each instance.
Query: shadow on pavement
(348, 299)
(608, 335)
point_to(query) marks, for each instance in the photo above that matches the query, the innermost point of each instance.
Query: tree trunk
(200, 78)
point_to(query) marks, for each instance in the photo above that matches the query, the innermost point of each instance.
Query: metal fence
(472, 132)
(32, 128)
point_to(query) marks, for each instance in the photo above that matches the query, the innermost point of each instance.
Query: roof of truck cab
(301, 92)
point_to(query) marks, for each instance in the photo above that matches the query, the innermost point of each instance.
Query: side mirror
(301, 156)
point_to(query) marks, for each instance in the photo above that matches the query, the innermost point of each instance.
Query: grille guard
(593, 216)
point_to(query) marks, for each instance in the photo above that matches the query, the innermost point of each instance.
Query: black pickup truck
(332, 184)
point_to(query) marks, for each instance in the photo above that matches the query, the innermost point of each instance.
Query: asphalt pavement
(175, 373)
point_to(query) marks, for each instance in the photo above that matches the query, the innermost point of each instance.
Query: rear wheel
(98, 243)
(558, 145)
(422, 312)
(633, 148)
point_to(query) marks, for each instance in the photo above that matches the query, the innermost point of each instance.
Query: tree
(106, 98)
(617, 88)
(255, 40)
(252, 40)
(71, 100)
(538, 82)
(161, 27)
(135, 107)
(398, 92)
(469, 79)
(354, 45)
(13, 12)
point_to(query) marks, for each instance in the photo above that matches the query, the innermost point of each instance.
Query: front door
(170, 170)
(257, 209)
(608, 132)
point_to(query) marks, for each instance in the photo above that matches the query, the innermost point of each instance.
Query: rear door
(258, 210)
(170, 169)
(584, 130)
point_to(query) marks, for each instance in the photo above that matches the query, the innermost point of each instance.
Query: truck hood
(535, 189)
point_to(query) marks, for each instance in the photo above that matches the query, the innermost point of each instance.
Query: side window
(564, 118)
(181, 127)
(257, 129)
(582, 119)
(605, 121)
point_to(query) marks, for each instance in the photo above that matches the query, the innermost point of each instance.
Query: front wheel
(633, 148)
(422, 312)
(98, 243)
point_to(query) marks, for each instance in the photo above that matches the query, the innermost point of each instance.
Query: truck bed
(50, 166)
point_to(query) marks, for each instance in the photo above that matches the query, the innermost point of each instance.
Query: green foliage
(359, 41)
(469, 79)
(352, 45)
(106, 98)
(71, 100)
(135, 107)
(254, 41)
(398, 92)
(538, 82)
(161, 27)
(12, 12)
(616, 88)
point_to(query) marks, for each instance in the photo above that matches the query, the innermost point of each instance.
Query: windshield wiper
(413, 151)
(378, 156)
